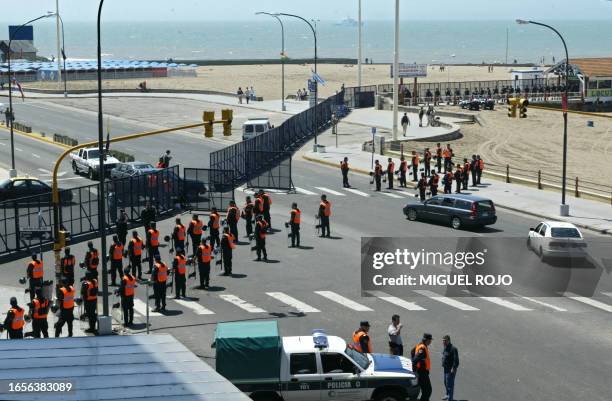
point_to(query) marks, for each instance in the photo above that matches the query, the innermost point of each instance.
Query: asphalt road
(518, 348)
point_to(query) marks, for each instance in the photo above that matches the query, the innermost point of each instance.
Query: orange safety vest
(196, 230)
(230, 240)
(130, 286)
(435, 180)
(180, 231)
(137, 246)
(266, 197)
(481, 164)
(438, 151)
(68, 297)
(37, 271)
(216, 218)
(326, 208)
(118, 252)
(446, 153)
(162, 272)
(259, 204)
(40, 309)
(181, 264)
(427, 361)
(236, 212)
(357, 345)
(415, 160)
(68, 262)
(153, 237)
(93, 259)
(344, 166)
(205, 253)
(466, 168)
(248, 209)
(391, 167)
(378, 169)
(92, 290)
(297, 218)
(18, 322)
(427, 156)
(449, 178)
(404, 166)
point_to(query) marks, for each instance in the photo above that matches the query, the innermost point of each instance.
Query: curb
(500, 205)
(37, 136)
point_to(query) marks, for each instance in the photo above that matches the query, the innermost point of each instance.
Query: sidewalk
(592, 215)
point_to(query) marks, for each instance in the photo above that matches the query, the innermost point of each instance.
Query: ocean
(420, 41)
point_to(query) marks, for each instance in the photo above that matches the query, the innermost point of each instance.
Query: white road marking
(396, 301)
(537, 301)
(608, 294)
(589, 301)
(330, 191)
(446, 300)
(304, 191)
(35, 155)
(332, 296)
(241, 303)
(357, 192)
(506, 304)
(276, 191)
(18, 149)
(390, 195)
(194, 306)
(141, 308)
(297, 304)
(2, 144)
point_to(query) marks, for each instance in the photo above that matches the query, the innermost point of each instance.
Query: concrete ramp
(138, 367)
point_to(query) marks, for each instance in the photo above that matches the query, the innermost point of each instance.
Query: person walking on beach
(405, 123)
(248, 94)
(240, 94)
(421, 113)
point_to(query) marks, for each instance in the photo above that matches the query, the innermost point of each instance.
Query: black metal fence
(218, 188)
(272, 170)
(287, 137)
(360, 96)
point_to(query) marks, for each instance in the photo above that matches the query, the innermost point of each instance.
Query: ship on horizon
(348, 21)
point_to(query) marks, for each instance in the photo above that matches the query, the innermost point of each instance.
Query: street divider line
(446, 300)
(241, 303)
(589, 301)
(537, 301)
(330, 191)
(608, 294)
(194, 306)
(506, 304)
(390, 195)
(294, 303)
(141, 308)
(332, 296)
(304, 191)
(357, 192)
(396, 301)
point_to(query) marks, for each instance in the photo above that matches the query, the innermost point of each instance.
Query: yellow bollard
(208, 117)
(227, 115)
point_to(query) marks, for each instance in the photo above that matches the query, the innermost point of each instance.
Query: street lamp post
(63, 51)
(283, 108)
(316, 92)
(359, 44)
(564, 208)
(13, 171)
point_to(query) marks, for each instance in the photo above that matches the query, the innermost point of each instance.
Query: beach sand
(266, 79)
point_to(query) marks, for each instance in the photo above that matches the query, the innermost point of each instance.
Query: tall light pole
(359, 44)
(316, 92)
(57, 28)
(396, 72)
(563, 209)
(283, 108)
(13, 171)
(63, 52)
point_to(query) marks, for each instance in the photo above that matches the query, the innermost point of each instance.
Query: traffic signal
(512, 103)
(63, 238)
(208, 117)
(227, 115)
(523, 103)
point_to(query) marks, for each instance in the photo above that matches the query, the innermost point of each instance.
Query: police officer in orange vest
(159, 276)
(39, 309)
(361, 339)
(214, 224)
(67, 263)
(427, 161)
(204, 256)
(247, 215)
(35, 275)
(458, 179)
(422, 187)
(414, 162)
(92, 259)
(178, 236)
(439, 157)
(295, 219)
(65, 301)
(227, 248)
(378, 172)
(267, 203)
(474, 165)
(344, 169)
(152, 245)
(127, 290)
(447, 181)
(390, 172)
(89, 294)
(115, 254)
(261, 230)
(434, 179)
(135, 247)
(480, 168)
(15, 320)
(179, 267)
(324, 214)
(421, 364)
(195, 231)
(466, 173)
(403, 170)
(233, 215)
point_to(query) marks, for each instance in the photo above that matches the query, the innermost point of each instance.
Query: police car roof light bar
(320, 338)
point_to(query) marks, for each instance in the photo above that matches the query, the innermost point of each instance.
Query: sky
(206, 10)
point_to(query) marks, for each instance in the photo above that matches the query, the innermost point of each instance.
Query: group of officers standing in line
(429, 177)
(222, 238)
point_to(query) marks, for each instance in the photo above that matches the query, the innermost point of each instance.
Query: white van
(255, 126)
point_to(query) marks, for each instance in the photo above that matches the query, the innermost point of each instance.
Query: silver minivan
(255, 126)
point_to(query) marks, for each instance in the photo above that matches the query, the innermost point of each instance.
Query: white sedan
(557, 239)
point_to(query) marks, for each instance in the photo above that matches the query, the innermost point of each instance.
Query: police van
(268, 367)
(255, 126)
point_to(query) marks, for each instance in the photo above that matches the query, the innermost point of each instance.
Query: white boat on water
(348, 21)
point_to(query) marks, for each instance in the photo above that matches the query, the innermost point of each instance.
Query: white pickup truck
(88, 160)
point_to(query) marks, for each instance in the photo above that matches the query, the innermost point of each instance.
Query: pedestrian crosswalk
(398, 193)
(242, 304)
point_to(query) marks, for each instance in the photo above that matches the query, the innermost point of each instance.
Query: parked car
(456, 210)
(88, 160)
(551, 239)
(20, 187)
(125, 170)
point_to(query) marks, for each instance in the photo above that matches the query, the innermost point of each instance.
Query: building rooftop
(594, 67)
